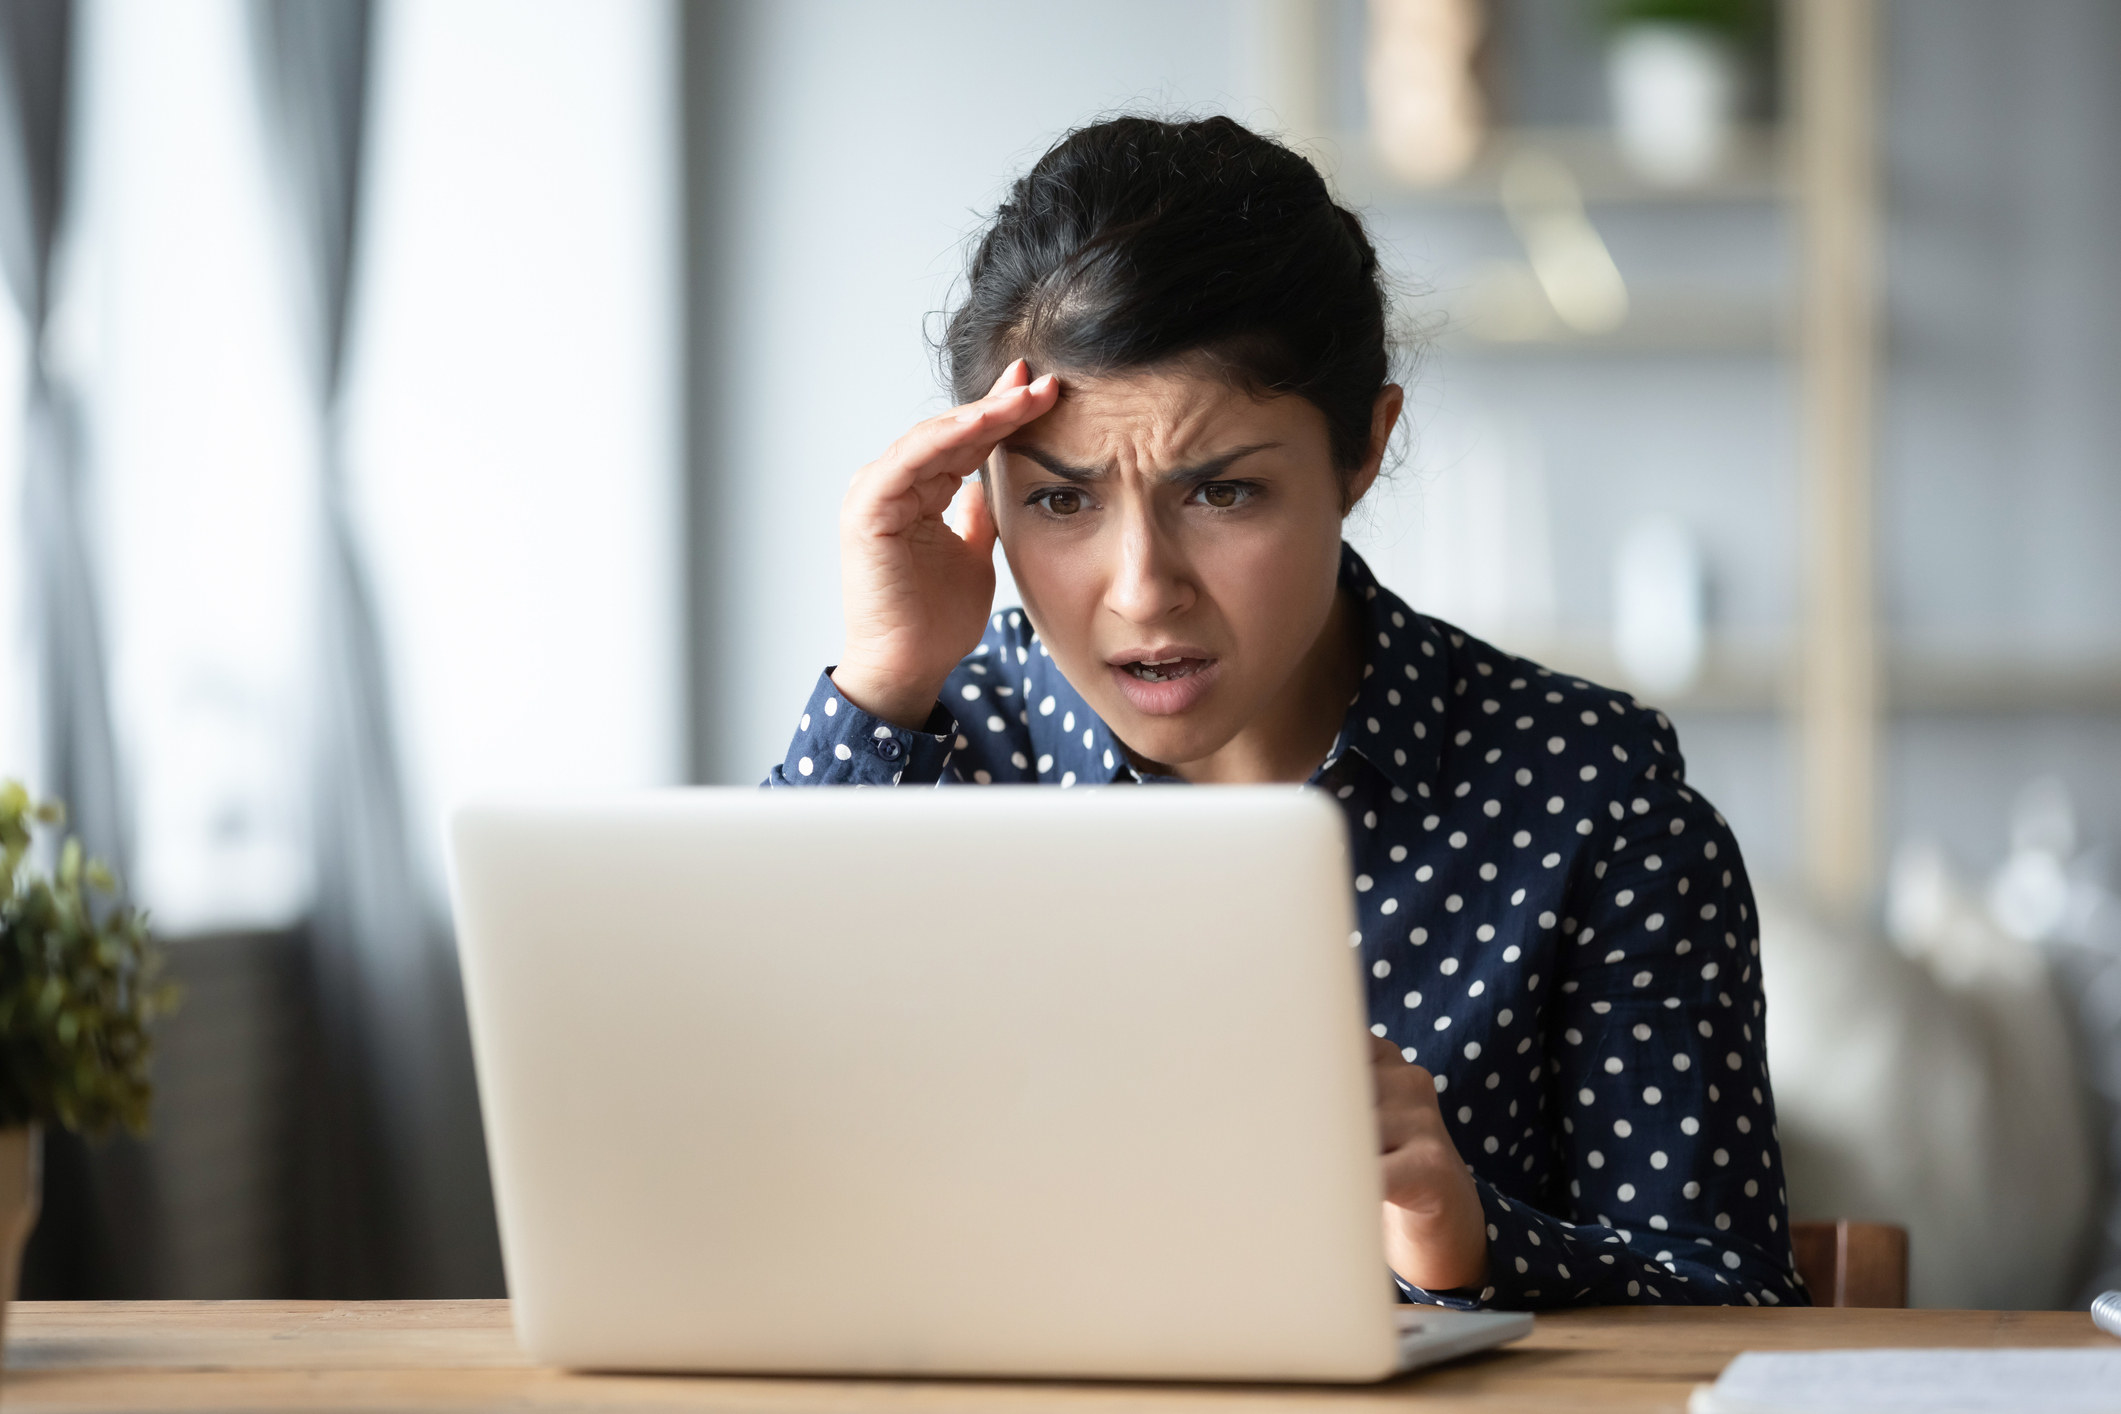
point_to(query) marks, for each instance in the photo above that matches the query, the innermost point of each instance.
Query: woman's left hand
(1436, 1235)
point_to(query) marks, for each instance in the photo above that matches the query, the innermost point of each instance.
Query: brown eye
(1063, 502)
(1220, 495)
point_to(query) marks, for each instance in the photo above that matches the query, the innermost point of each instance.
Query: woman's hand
(916, 590)
(1435, 1233)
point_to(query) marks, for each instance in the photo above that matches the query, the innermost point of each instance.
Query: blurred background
(406, 398)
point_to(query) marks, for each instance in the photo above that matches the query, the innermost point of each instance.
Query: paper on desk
(1933, 1381)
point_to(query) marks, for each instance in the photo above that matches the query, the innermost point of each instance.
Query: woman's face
(1177, 544)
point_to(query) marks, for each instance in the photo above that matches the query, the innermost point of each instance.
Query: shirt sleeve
(837, 743)
(1659, 1098)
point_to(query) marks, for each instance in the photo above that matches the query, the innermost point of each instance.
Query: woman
(1182, 345)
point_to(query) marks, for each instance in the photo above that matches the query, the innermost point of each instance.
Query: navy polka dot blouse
(1551, 922)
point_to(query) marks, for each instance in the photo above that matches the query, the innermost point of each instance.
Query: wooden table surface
(462, 1355)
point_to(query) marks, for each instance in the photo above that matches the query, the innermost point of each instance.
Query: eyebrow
(1183, 476)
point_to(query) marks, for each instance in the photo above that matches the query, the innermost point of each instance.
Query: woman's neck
(1289, 740)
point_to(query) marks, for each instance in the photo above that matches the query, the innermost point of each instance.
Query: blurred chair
(1852, 1264)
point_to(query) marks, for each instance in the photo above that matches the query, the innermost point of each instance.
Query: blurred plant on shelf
(1674, 74)
(1734, 19)
(80, 985)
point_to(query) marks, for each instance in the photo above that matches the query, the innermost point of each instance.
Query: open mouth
(1165, 679)
(1164, 669)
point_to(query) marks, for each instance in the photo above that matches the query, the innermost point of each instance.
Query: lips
(1165, 680)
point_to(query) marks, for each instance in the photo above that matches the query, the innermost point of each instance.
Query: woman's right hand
(917, 590)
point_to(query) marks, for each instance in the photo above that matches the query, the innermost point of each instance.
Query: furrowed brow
(1213, 468)
(1183, 476)
(1055, 466)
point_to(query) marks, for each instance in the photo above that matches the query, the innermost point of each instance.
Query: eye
(1225, 495)
(1059, 501)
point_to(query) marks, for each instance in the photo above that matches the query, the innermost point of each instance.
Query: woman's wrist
(897, 700)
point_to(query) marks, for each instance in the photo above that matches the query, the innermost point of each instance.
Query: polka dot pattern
(1550, 920)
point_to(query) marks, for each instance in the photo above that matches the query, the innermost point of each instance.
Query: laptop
(1005, 1082)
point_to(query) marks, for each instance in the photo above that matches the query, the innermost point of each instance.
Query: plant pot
(21, 1181)
(1675, 90)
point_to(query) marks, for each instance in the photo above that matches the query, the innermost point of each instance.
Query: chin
(1171, 741)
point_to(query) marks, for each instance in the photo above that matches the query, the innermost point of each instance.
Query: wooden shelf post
(1838, 687)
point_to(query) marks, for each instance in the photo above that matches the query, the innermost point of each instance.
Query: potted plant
(80, 986)
(1674, 72)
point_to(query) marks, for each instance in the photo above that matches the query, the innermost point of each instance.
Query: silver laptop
(973, 1082)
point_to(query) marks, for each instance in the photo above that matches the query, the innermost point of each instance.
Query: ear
(1384, 416)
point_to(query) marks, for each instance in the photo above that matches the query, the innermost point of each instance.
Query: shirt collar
(1396, 721)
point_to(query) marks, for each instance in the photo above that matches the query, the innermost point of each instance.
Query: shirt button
(889, 749)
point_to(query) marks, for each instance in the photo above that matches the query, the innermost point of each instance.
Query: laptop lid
(1005, 1081)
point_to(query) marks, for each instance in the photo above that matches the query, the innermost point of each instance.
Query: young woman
(1172, 359)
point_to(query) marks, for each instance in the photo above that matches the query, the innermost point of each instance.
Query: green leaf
(80, 985)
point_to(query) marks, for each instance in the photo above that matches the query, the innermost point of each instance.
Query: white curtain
(508, 428)
(205, 459)
(77, 747)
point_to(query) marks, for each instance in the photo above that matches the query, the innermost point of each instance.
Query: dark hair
(1136, 242)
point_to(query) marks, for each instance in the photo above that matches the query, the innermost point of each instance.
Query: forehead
(1160, 416)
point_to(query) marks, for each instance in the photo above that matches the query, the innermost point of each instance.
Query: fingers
(1407, 1111)
(1423, 1173)
(1015, 375)
(998, 406)
(974, 518)
(1411, 1134)
(1435, 1232)
(1407, 1107)
(1398, 1075)
(1401, 1125)
(955, 444)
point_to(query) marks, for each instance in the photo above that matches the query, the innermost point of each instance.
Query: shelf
(1754, 173)
(1738, 675)
(1757, 677)
(2004, 684)
(1488, 321)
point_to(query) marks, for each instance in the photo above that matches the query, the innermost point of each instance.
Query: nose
(1151, 582)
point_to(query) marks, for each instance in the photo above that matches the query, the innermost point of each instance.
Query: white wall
(867, 142)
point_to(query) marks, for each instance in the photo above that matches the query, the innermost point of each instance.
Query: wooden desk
(461, 1355)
